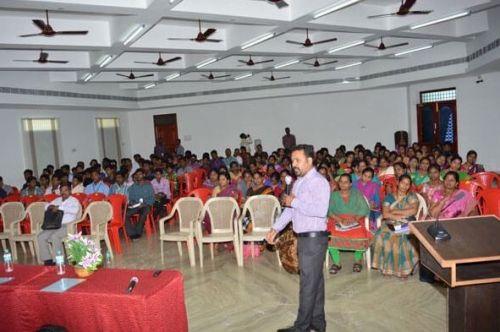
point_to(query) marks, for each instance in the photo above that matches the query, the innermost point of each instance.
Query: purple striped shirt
(310, 205)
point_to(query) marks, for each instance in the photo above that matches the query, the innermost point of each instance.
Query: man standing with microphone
(307, 208)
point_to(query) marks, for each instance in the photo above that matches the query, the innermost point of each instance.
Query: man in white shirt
(72, 209)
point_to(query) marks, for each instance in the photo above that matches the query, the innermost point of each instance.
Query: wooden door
(166, 130)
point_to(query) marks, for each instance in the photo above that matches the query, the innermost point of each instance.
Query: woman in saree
(347, 207)
(225, 188)
(434, 184)
(395, 253)
(421, 176)
(258, 187)
(371, 191)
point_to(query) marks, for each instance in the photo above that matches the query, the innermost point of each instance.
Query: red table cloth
(98, 304)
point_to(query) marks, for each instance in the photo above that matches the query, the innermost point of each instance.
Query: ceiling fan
(382, 46)
(131, 76)
(202, 36)
(279, 3)
(250, 62)
(43, 58)
(160, 61)
(318, 64)
(308, 42)
(212, 77)
(48, 31)
(272, 78)
(404, 10)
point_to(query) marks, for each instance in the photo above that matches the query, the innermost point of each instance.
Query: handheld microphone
(288, 181)
(131, 285)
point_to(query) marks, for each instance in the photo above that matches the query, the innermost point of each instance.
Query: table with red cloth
(97, 304)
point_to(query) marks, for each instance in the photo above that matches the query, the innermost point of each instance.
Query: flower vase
(82, 273)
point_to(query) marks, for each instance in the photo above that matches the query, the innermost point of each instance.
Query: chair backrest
(471, 186)
(96, 197)
(28, 200)
(119, 204)
(422, 211)
(36, 212)
(81, 197)
(202, 193)
(10, 212)
(223, 212)
(489, 202)
(263, 210)
(50, 197)
(188, 209)
(199, 175)
(12, 198)
(487, 179)
(100, 213)
(189, 184)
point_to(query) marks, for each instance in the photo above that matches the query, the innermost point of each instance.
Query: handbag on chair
(52, 219)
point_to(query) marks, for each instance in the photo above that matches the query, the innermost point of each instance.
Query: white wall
(78, 134)
(478, 114)
(325, 120)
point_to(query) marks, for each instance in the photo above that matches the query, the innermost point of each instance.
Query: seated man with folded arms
(71, 208)
(141, 198)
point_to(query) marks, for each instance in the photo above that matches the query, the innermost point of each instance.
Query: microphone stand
(436, 230)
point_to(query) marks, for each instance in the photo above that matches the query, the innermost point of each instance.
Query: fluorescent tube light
(149, 86)
(349, 65)
(242, 76)
(346, 46)
(172, 76)
(413, 50)
(257, 40)
(206, 63)
(134, 33)
(87, 77)
(289, 63)
(105, 60)
(440, 20)
(336, 6)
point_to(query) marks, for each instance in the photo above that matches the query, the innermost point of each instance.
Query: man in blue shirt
(140, 200)
(96, 186)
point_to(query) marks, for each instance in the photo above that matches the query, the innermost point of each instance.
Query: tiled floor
(262, 297)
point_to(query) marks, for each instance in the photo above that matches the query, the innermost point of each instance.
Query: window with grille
(41, 143)
(109, 137)
(438, 95)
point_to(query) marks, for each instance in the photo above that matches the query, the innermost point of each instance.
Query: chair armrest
(14, 223)
(161, 222)
(70, 226)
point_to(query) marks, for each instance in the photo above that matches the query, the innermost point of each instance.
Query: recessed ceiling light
(336, 6)
(87, 77)
(441, 20)
(134, 33)
(288, 63)
(103, 61)
(257, 40)
(348, 66)
(172, 76)
(413, 50)
(242, 76)
(346, 46)
(206, 63)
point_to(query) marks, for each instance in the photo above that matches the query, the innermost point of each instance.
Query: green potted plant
(83, 254)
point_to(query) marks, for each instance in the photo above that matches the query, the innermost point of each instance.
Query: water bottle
(7, 260)
(60, 263)
(108, 258)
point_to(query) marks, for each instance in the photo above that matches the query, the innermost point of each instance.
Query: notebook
(62, 285)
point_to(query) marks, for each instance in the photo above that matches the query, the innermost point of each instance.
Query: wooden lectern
(470, 264)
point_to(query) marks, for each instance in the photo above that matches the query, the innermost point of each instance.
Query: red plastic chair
(389, 181)
(199, 176)
(84, 226)
(473, 187)
(149, 225)
(96, 197)
(189, 183)
(487, 180)
(82, 198)
(50, 197)
(489, 202)
(119, 204)
(202, 193)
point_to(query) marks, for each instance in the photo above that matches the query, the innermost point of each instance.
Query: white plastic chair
(422, 211)
(263, 210)
(188, 209)
(12, 213)
(224, 215)
(36, 212)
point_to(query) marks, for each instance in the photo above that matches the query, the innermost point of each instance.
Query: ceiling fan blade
(372, 46)
(147, 75)
(280, 4)
(325, 41)
(382, 15)
(206, 76)
(25, 60)
(57, 61)
(122, 75)
(31, 35)
(221, 76)
(419, 12)
(192, 39)
(173, 59)
(209, 32)
(268, 78)
(80, 32)
(307, 63)
(294, 42)
(213, 40)
(396, 45)
(264, 61)
(281, 78)
(242, 61)
(147, 63)
(329, 62)
(40, 24)
(408, 4)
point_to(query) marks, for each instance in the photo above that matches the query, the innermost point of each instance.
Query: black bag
(52, 220)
